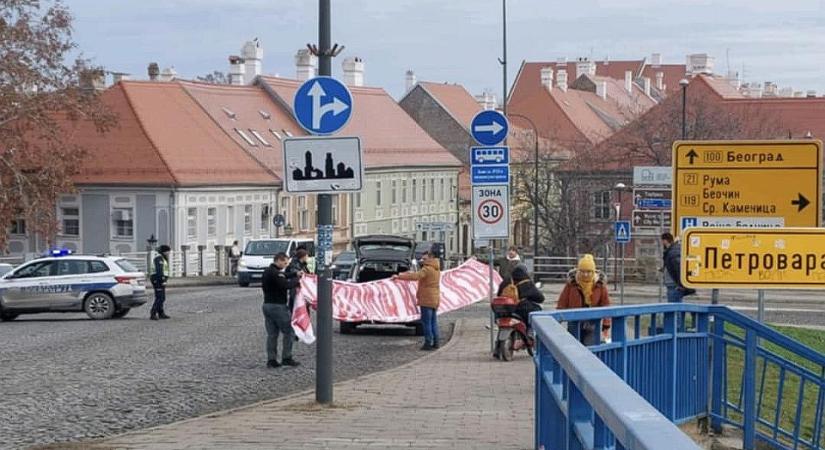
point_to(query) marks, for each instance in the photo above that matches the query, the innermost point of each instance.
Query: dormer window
(276, 134)
(245, 137)
(265, 114)
(229, 113)
(289, 134)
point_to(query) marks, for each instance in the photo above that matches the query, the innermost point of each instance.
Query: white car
(259, 253)
(102, 287)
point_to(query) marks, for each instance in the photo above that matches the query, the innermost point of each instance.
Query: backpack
(510, 291)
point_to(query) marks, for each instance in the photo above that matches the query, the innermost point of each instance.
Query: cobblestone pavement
(456, 398)
(64, 377)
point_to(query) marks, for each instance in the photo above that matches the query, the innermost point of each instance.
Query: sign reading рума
(754, 184)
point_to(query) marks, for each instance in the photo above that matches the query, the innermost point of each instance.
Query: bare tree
(41, 98)
(216, 77)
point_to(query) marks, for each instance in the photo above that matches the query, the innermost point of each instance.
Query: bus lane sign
(786, 258)
(747, 184)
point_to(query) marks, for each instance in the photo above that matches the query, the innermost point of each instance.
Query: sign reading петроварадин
(759, 183)
(754, 258)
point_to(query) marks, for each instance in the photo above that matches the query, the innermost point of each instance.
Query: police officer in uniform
(159, 274)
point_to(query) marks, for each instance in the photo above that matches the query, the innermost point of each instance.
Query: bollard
(184, 249)
(227, 261)
(218, 249)
(201, 248)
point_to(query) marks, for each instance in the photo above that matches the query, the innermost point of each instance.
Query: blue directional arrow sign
(654, 203)
(489, 127)
(322, 105)
(622, 231)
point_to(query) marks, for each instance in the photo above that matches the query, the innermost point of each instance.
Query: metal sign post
(623, 236)
(760, 308)
(621, 289)
(492, 315)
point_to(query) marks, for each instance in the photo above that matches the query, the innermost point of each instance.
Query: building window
(424, 191)
(230, 220)
(377, 193)
(601, 205)
(247, 219)
(246, 137)
(71, 221)
(123, 222)
(260, 138)
(404, 191)
(432, 189)
(211, 221)
(394, 192)
(335, 210)
(414, 191)
(192, 223)
(18, 226)
(441, 189)
(303, 213)
(358, 200)
(264, 217)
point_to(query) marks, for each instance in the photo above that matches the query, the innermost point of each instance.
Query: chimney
(700, 63)
(601, 89)
(628, 81)
(656, 59)
(168, 74)
(660, 81)
(409, 80)
(305, 64)
(236, 70)
(810, 94)
(92, 80)
(487, 100)
(353, 71)
(561, 79)
(253, 56)
(117, 77)
(154, 71)
(646, 84)
(547, 78)
(585, 67)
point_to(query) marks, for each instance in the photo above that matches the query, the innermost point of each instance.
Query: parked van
(258, 254)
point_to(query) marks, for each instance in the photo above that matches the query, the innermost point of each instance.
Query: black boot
(163, 316)
(153, 316)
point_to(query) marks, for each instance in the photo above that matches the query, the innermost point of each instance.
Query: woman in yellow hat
(586, 288)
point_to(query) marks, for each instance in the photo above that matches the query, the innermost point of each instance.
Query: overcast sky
(459, 40)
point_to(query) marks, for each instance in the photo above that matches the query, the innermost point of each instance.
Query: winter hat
(520, 273)
(587, 263)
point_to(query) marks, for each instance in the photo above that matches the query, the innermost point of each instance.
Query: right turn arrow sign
(801, 202)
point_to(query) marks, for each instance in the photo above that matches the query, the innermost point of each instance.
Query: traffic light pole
(323, 355)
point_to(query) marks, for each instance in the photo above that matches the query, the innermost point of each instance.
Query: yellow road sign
(751, 184)
(785, 258)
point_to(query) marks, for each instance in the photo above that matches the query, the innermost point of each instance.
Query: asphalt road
(64, 377)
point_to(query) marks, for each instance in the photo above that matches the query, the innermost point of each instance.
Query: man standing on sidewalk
(158, 275)
(276, 284)
(234, 257)
(672, 260)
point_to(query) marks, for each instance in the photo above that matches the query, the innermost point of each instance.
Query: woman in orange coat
(586, 288)
(428, 296)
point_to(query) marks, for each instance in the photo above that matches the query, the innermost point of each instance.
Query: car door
(67, 287)
(28, 286)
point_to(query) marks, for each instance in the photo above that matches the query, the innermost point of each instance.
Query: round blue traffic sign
(322, 105)
(489, 127)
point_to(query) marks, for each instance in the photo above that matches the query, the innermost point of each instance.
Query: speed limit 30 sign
(491, 212)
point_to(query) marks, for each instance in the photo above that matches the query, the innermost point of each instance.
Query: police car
(102, 287)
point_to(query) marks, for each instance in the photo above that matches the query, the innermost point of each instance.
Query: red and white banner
(391, 301)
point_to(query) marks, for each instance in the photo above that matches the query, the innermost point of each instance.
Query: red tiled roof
(719, 86)
(162, 138)
(455, 99)
(390, 137)
(241, 107)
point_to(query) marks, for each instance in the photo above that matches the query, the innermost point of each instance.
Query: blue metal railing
(686, 361)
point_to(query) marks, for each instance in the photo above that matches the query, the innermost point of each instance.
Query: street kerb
(289, 400)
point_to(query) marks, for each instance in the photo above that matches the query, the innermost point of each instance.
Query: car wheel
(7, 316)
(121, 313)
(99, 306)
(347, 327)
(505, 348)
(243, 283)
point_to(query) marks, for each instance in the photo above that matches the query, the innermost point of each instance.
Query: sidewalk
(455, 398)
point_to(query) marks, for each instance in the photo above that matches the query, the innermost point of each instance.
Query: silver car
(102, 287)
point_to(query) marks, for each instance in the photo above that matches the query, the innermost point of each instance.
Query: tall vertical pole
(323, 355)
(535, 198)
(504, 56)
(684, 111)
(492, 315)
(659, 253)
(621, 291)
(760, 303)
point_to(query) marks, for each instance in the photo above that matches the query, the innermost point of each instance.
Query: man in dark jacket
(672, 260)
(159, 274)
(276, 283)
(297, 265)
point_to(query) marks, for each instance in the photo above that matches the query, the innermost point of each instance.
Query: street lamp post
(535, 185)
(684, 83)
(620, 187)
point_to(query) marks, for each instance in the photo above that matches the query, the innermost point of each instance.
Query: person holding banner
(428, 296)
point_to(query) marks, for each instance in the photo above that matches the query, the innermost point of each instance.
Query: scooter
(512, 332)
